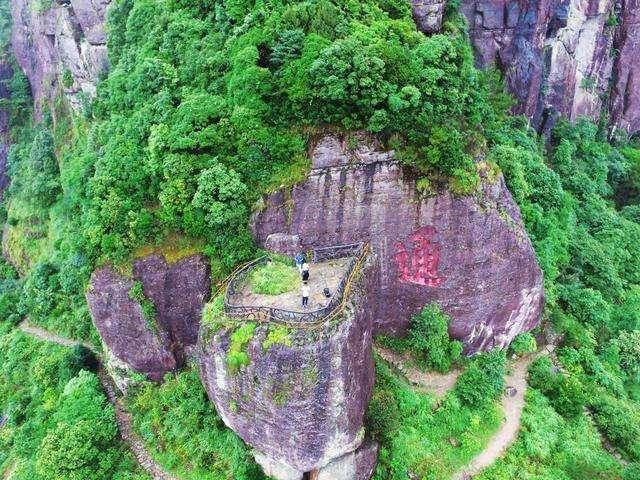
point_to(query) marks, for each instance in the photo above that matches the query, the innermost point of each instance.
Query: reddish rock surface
(300, 406)
(178, 291)
(625, 95)
(68, 37)
(428, 14)
(561, 57)
(469, 254)
(123, 328)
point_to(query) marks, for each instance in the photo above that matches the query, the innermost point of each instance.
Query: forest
(210, 105)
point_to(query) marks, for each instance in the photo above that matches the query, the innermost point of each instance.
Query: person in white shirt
(305, 295)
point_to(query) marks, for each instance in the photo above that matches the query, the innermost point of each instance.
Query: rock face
(300, 405)
(562, 57)
(470, 254)
(625, 94)
(178, 292)
(428, 14)
(62, 48)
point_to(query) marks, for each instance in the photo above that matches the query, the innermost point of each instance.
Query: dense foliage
(423, 438)
(428, 340)
(207, 106)
(185, 433)
(59, 424)
(577, 203)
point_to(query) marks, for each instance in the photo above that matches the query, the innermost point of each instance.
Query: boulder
(300, 403)
(428, 14)
(470, 254)
(123, 328)
(357, 465)
(178, 291)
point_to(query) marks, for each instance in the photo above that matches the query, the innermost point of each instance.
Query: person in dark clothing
(305, 272)
(305, 295)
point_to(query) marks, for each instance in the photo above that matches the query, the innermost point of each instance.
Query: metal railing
(287, 317)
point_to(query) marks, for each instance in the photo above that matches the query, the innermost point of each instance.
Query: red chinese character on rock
(423, 259)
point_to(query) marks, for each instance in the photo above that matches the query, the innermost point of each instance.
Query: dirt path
(123, 418)
(435, 383)
(47, 336)
(512, 406)
(512, 403)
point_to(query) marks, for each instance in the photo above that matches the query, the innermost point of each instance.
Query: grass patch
(274, 278)
(277, 335)
(149, 313)
(237, 356)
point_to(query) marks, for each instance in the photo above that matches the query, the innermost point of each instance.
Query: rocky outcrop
(178, 291)
(299, 403)
(62, 48)
(469, 254)
(150, 346)
(428, 14)
(625, 94)
(123, 328)
(562, 57)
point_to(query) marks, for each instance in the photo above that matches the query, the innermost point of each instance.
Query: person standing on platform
(305, 295)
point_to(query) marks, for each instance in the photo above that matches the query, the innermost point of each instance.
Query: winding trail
(512, 403)
(512, 406)
(123, 418)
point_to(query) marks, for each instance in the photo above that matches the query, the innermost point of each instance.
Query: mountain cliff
(566, 58)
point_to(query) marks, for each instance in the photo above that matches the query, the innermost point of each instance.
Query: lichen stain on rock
(476, 262)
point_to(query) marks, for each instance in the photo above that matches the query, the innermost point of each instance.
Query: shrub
(523, 343)
(428, 339)
(631, 472)
(566, 394)
(383, 415)
(237, 356)
(568, 398)
(149, 314)
(628, 344)
(483, 380)
(619, 422)
(278, 334)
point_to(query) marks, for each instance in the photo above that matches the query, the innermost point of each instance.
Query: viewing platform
(330, 268)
